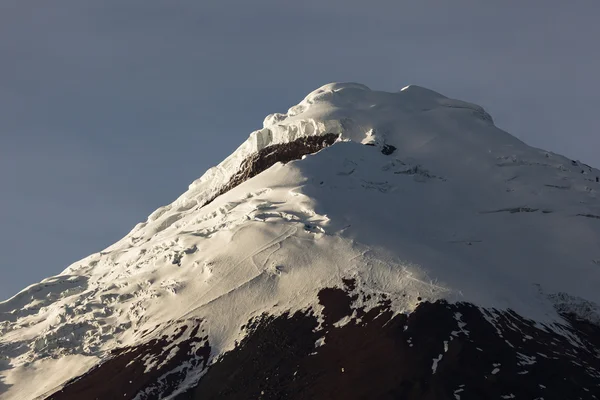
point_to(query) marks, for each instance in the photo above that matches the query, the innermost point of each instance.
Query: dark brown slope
(381, 356)
(374, 356)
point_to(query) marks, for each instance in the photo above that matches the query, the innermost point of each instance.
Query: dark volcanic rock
(440, 351)
(151, 370)
(388, 149)
(267, 157)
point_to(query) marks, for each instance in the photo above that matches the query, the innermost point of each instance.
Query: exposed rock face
(388, 149)
(440, 351)
(151, 370)
(284, 153)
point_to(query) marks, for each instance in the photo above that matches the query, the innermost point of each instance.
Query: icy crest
(351, 110)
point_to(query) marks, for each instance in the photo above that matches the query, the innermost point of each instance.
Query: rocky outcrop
(268, 156)
(152, 370)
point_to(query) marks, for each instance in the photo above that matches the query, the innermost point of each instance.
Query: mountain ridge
(416, 199)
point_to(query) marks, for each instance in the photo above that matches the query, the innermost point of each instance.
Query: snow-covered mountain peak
(471, 167)
(404, 119)
(377, 200)
(358, 109)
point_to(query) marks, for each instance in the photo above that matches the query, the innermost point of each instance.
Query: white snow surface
(426, 221)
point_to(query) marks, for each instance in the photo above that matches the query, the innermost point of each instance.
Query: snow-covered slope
(421, 198)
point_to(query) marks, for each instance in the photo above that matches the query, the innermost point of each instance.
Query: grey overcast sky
(109, 109)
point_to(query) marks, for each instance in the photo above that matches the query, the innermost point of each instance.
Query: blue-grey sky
(109, 109)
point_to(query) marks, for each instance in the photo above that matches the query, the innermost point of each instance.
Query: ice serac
(364, 244)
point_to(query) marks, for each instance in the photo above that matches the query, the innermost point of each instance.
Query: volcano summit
(363, 245)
